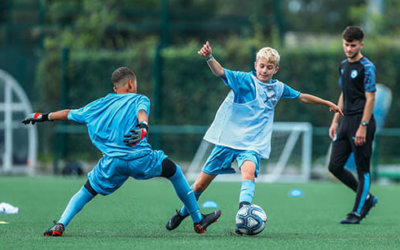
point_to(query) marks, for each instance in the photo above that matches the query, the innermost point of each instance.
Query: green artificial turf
(134, 217)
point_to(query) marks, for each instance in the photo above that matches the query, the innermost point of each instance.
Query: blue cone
(209, 204)
(296, 193)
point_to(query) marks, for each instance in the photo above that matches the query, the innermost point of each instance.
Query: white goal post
(290, 159)
(18, 143)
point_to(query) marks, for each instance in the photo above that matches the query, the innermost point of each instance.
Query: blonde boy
(242, 127)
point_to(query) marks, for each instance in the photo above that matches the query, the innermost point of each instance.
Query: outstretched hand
(35, 117)
(336, 109)
(205, 51)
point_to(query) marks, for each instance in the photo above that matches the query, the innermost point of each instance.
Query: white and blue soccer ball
(251, 219)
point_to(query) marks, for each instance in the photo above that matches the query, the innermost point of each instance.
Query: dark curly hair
(352, 33)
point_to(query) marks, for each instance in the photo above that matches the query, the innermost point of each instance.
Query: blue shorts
(221, 158)
(111, 172)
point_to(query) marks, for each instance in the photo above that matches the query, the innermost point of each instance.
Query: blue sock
(184, 211)
(247, 191)
(185, 194)
(75, 205)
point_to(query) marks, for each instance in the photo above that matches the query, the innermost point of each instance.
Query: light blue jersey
(109, 118)
(245, 118)
(244, 88)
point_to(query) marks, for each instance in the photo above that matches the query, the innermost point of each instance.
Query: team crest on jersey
(270, 95)
(341, 71)
(354, 73)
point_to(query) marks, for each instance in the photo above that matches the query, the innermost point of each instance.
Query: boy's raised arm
(214, 65)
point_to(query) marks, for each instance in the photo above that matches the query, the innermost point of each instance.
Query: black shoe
(56, 230)
(352, 218)
(237, 231)
(175, 221)
(207, 220)
(369, 203)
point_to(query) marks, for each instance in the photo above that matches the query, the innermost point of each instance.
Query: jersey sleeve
(290, 93)
(144, 104)
(234, 79)
(369, 79)
(81, 115)
(77, 115)
(340, 77)
(241, 84)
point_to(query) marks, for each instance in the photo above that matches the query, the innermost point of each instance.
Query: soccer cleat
(175, 221)
(56, 230)
(369, 203)
(237, 231)
(207, 220)
(352, 218)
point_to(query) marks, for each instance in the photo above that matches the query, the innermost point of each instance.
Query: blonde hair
(269, 54)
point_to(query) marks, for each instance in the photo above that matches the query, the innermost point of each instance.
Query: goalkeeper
(242, 127)
(108, 119)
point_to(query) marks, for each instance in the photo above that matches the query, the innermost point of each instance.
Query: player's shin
(246, 192)
(362, 192)
(184, 211)
(77, 202)
(185, 194)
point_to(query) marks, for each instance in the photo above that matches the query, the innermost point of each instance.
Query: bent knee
(168, 168)
(248, 170)
(335, 169)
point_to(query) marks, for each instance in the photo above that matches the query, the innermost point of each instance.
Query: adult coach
(356, 131)
(108, 119)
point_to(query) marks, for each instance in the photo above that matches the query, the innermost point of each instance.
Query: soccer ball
(251, 219)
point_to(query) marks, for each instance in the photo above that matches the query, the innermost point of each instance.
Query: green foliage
(93, 24)
(191, 94)
(104, 35)
(391, 20)
(357, 14)
(312, 72)
(321, 16)
(89, 74)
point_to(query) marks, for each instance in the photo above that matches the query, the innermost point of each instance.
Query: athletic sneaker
(369, 203)
(352, 218)
(175, 221)
(56, 230)
(207, 220)
(237, 231)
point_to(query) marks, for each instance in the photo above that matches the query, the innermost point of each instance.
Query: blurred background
(62, 54)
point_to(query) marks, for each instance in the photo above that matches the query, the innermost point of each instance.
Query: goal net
(290, 159)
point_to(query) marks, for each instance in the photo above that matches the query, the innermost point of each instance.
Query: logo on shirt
(354, 73)
(270, 95)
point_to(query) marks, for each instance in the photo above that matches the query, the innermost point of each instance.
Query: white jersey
(247, 126)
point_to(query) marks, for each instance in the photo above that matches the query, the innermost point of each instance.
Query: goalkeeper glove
(36, 117)
(137, 134)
